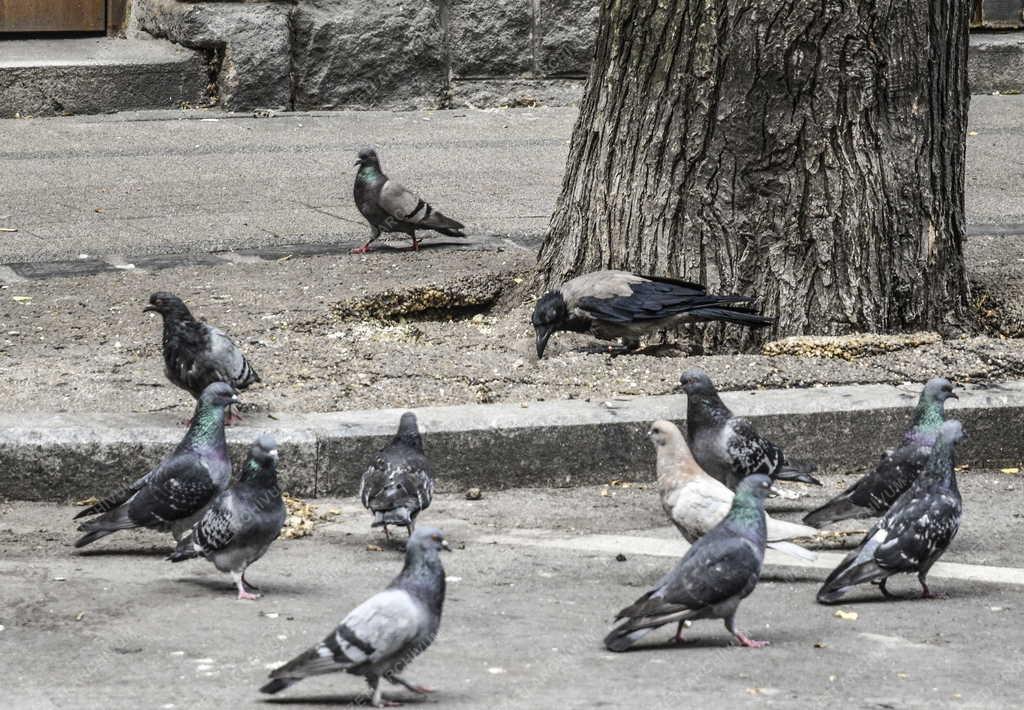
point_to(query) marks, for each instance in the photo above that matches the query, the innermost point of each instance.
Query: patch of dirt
(399, 329)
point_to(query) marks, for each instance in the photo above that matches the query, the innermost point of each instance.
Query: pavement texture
(523, 620)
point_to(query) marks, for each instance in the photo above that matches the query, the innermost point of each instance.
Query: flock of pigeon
(712, 481)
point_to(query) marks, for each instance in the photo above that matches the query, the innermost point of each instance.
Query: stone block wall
(314, 54)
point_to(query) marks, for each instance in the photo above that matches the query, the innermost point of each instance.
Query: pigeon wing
(182, 488)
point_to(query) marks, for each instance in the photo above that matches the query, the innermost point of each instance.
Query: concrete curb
(560, 443)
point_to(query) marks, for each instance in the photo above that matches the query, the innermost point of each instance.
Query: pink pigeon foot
(750, 643)
(365, 249)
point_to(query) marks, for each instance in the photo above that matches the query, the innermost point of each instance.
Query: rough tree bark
(807, 152)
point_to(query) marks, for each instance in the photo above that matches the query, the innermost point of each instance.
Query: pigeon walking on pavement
(617, 304)
(390, 207)
(173, 495)
(381, 636)
(399, 483)
(897, 469)
(197, 354)
(728, 447)
(695, 502)
(242, 522)
(914, 533)
(713, 577)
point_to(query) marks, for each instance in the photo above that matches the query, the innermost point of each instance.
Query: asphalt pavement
(195, 182)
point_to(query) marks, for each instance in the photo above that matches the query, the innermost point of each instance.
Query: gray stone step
(995, 62)
(48, 77)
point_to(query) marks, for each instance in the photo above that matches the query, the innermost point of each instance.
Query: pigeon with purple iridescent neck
(898, 469)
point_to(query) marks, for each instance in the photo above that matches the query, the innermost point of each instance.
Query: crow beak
(445, 546)
(147, 309)
(543, 334)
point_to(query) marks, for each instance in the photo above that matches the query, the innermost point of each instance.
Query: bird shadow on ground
(395, 249)
(126, 552)
(226, 586)
(666, 350)
(697, 642)
(350, 699)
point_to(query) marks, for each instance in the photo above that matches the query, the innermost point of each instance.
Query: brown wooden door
(52, 15)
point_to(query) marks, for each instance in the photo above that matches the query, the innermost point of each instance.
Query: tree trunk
(806, 152)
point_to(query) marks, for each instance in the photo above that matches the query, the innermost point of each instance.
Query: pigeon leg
(247, 584)
(415, 242)
(243, 593)
(378, 701)
(927, 593)
(678, 638)
(233, 416)
(421, 689)
(365, 249)
(730, 623)
(885, 592)
(387, 535)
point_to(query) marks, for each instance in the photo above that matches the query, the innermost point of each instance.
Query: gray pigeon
(242, 522)
(173, 495)
(197, 354)
(617, 304)
(399, 482)
(390, 207)
(381, 636)
(913, 534)
(713, 577)
(728, 447)
(898, 469)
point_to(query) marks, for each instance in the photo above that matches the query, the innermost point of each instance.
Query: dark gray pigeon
(399, 482)
(913, 534)
(719, 571)
(381, 636)
(173, 495)
(897, 469)
(617, 304)
(728, 447)
(197, 354)
(390, 207)
(242, 522)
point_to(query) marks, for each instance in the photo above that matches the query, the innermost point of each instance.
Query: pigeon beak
(358, 162)
(445, 545)
(272, 453)
(952, 395)
(543, 334)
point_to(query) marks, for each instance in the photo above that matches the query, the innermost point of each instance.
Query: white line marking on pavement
(656, 547)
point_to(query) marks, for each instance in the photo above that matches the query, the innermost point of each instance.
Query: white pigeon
(695, 502)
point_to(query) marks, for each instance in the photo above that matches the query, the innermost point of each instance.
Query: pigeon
(728, 447)
(913, 534)
(242, 522)
(381, 636)
(390, 207)
(695, 502)
(399, 482)
(713, 577)
(197, 354)
(173, 496)
(897, 469)
(617, 304)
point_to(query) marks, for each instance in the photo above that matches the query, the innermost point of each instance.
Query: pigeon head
(426, 542)
(549, 315)
(696, 382)
(663, 433)
(754, 486)
(167, 304)
(368, 156)
(218, 394)
(938, 389)
(262, 459)
(409, 432)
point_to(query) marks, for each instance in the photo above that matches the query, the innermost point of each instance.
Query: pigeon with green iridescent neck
(241, 523)
(381, 636)
(173, 496)
(389, 207)
(898, 469)
(719, 571)
(915, 532)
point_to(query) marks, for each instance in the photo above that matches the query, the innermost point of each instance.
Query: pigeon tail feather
(277, 685)
(92, 536)
(395, 516)
(793, 550)
(620, 639)
(840, 508)
(842, 578)
(186, 550)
